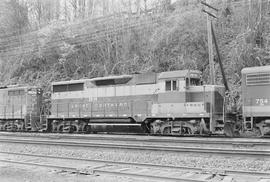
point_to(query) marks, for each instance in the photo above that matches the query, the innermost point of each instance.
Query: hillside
(163, 38)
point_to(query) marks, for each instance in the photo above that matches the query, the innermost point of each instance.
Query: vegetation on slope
(166, 38)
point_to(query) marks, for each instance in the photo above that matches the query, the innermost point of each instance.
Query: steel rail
(237, 152)
(100, 171)
(147, 176)
(147, 165)
(157, 140)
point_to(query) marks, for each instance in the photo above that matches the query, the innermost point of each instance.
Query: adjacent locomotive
(20, 108)
(256, 99)
(173, 102)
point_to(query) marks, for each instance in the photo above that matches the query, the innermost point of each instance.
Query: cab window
(168, 85)
(194, 82)
(171, 85)
(174, 85)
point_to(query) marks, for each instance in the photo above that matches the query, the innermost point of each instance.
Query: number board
(262, 101)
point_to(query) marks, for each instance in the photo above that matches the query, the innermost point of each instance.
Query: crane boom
(219, 60)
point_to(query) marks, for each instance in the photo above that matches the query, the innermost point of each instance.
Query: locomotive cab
(177, 91)
(185, 106)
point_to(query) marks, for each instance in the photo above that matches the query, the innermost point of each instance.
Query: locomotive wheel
(60, 129)
(6, 127)
(257, 132)
(87, 129)
(15, 128)
(155, 127)
(229, 129)
(189, 131)
(167, 131)
(73, 129)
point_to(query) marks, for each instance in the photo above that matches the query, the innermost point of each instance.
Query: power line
(106, 17)
(96, 19)
(99, 31)
(102, 19)
(99, 34)
(84, 41)
(93, 36)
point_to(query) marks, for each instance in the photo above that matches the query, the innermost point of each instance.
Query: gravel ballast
(204, 161)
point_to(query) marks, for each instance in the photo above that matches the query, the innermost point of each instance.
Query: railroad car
(20, 108)
(256, 99)
(173, 102)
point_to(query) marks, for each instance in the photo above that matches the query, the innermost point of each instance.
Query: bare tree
(74, 4)
(91, 7)
(138, 6)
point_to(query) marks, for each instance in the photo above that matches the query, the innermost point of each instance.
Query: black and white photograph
(134, 90)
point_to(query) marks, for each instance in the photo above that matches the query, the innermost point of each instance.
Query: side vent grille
(258, 79)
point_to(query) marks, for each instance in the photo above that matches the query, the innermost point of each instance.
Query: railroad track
(151, 147)
(107, 168)
(150, 139)
(129, 169)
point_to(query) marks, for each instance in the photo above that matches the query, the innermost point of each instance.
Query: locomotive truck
(167, 103)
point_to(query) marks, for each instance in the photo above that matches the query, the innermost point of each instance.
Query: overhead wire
(84, 39)
(105, 28)
(31, 37)
(104, 18)
(102, 34)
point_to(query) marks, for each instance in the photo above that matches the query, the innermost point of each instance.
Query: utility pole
(210, 41)
(209, 15)
(260, 10)
(210, 52)
(249, 14)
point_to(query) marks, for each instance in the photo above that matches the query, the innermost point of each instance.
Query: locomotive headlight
(193, 121)
(267, 121)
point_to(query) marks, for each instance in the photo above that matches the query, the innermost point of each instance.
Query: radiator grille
(258, 79)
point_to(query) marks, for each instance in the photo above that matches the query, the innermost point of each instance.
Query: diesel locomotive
(172, 102)
(20, 108)
(167, 103)
(256, 99)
